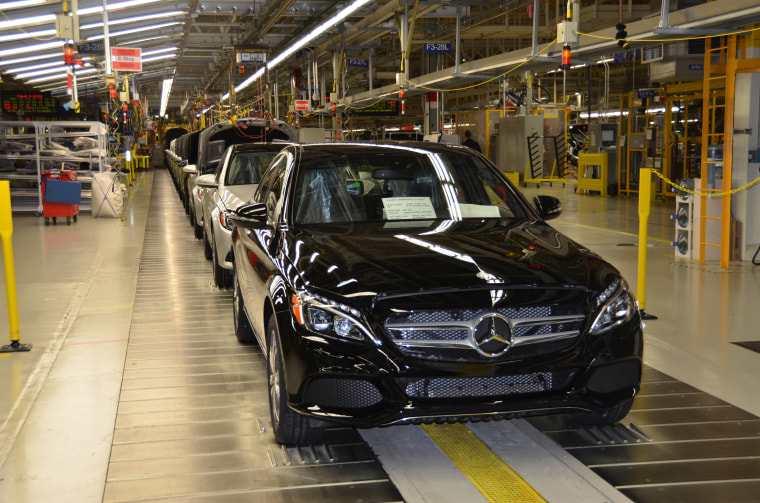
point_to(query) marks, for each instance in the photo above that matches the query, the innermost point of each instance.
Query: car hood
(236, 195)
(365, 264)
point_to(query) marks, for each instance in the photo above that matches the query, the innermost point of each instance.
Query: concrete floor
(76, 294)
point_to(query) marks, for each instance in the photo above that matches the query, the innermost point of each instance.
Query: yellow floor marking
(488, 472)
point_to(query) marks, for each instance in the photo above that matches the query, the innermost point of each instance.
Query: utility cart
(61, 195)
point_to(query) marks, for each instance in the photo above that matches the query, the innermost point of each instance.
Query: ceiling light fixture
(114, 22)
(115, 6)
(36, 57)
(32, 48)
(26, 21)
(4, 6)
(135, 30)
(28, 34)
(316, 32)
(61, 76)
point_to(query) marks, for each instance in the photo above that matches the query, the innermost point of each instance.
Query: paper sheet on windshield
(408, 208)
(479, 211)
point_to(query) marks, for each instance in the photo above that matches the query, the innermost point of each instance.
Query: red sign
(125, 59)
(302, 105)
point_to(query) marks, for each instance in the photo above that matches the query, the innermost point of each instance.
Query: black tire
(612, 416)
(206, 247)
(197, 230)
(221, 275)
(243, 330)
(290, 428)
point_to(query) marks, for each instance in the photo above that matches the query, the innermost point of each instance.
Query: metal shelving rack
(27, 164)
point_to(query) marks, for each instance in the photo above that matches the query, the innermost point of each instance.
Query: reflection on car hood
(234, 196)
(363, 263)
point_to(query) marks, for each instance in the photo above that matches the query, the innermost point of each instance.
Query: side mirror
(548, 207)
(206, 181)
(190, 169)
(250, 216)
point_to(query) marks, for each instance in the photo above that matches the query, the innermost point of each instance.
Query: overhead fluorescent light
(26, 21)
(166, 90)
(135, 30)
(316, 32)
(36, 57)
(61, 76)
(44, 71)
(149, 17)
(20, 3)
(159, 51)
(115, 6)
(20, 69)
(160, 57)
(32, 48)
(25, 35)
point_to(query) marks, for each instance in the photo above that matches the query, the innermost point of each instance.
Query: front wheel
(290, 428)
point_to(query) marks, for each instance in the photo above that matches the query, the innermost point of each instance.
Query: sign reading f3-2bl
(126, 59)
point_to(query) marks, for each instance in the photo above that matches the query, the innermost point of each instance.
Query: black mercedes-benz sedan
(412, 283)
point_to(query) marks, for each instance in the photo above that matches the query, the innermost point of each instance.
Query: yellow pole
(6, 233)
(645, 190)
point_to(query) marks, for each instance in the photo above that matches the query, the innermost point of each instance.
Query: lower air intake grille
(342, 393)
(480, 387)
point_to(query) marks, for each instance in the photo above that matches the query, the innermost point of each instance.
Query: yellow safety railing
(6, 232)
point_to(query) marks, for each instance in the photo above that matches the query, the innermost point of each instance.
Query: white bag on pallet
(107, 196)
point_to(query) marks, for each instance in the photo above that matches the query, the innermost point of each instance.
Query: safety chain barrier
(680, 188)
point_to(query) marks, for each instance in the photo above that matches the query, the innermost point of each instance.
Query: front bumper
(364, 385)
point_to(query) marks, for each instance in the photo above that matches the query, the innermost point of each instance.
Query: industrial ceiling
(195, 42)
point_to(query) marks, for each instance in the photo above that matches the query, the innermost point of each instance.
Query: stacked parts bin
(61, 194)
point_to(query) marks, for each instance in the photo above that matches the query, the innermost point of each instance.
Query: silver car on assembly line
(236, 178)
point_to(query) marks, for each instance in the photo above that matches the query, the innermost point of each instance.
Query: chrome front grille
(455, 335)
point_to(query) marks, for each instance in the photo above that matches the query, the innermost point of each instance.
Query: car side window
(270, 188)
(222, 163)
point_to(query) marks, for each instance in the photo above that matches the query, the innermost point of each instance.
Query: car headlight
(225, 221)
(614, 306)
(326, 317)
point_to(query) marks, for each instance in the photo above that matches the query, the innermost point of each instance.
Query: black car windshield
(400, 185)
(247, 167)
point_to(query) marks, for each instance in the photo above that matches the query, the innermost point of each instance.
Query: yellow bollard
(645, 201)
(6, 232)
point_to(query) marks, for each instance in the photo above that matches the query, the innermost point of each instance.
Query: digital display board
(34, 103)
(390, 107)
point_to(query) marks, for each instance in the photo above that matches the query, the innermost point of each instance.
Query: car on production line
(234, 183)
(412, 283)
(213, 141)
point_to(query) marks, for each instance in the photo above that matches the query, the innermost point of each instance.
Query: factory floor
(136, 389)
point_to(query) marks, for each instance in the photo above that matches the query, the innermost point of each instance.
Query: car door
(258, 267)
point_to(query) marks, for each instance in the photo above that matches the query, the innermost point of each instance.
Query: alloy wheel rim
(274, 380)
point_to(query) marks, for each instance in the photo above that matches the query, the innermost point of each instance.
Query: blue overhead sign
(358, 62)
(438, 48)
(646, 93)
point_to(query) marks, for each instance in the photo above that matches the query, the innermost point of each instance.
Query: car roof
(370, 147)
(258, 147)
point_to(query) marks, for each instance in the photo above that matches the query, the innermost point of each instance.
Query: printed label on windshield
(408, 208)
(479, 211)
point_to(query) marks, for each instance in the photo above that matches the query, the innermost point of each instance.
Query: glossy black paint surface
(381, 269)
